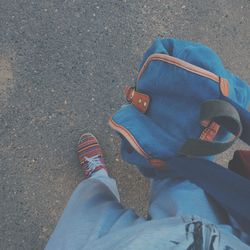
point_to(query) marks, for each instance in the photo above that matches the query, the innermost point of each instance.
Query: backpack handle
(225, 115)
(245, 120)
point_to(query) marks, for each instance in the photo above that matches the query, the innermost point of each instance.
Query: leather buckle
(129, 93)
(139, 100)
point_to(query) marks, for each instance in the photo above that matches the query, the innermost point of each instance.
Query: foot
(90, 155)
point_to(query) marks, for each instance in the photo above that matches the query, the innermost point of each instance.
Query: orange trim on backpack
(131, 139)
(224, 86)
(158, 164)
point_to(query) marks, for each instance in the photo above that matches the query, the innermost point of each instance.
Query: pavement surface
(63, 65)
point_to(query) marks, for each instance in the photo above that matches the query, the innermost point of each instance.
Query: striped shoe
(90, 155)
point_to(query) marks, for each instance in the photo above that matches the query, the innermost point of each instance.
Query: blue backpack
(185, 108)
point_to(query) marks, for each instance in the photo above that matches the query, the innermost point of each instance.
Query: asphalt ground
(63, 65)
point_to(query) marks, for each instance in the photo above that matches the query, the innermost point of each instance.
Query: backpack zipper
(223, 83)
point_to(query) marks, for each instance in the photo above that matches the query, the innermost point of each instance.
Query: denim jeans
(181, 216)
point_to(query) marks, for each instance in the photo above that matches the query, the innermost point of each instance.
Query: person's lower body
(94, 208)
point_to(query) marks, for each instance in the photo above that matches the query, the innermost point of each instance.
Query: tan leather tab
(139, 100)
(205, 123)
(211, 130)
(224, 86)
(158, 164)
(129, 93)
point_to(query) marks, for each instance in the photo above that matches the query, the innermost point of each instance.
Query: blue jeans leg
(92, 211)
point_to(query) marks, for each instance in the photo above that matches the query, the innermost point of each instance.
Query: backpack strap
(229, 189)
(225, 115)
(244, 117)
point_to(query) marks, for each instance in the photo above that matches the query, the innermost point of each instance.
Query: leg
(93, 209)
